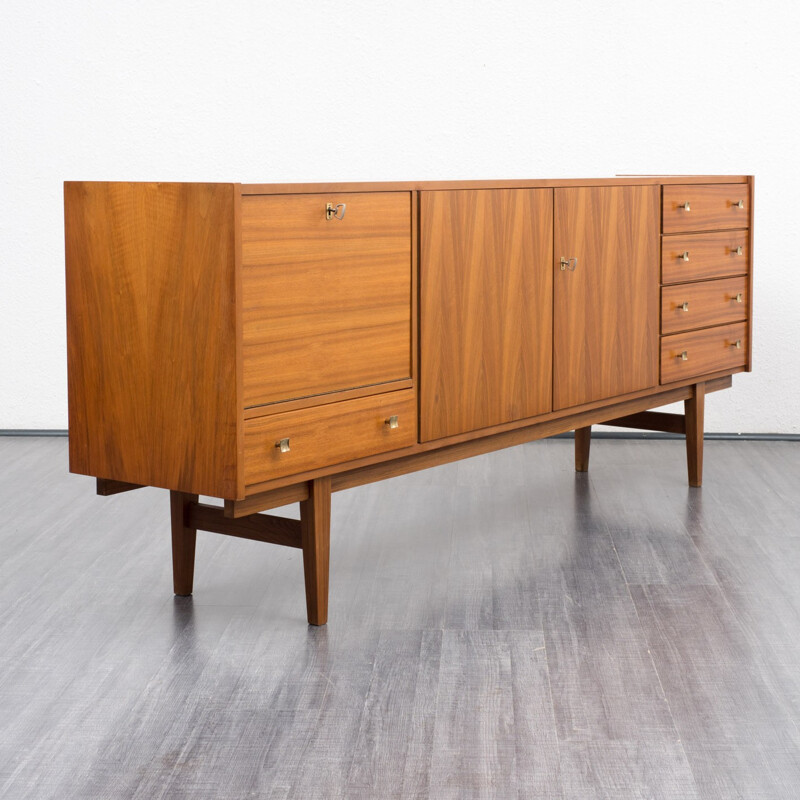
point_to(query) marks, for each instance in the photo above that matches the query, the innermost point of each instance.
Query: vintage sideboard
(269, 344)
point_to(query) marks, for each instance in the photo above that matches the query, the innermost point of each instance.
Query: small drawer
(705, 207)
(325, 435)
(699, 256)
(698, 305)
(688, 355)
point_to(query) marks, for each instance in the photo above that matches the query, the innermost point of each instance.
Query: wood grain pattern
(402, 464)
(326, 303)
(524, 183)
(711, 255)
(330, 434)
(707, 350)
(709, 303)
(605, 327)
(497, 437)
(712, 207)
(486, 308)
(151, 337)
(323, 399)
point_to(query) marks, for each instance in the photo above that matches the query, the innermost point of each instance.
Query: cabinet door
(326, 301)
(605, 300)
(485, 308)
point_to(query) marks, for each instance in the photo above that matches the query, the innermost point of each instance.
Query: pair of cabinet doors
(534, 300)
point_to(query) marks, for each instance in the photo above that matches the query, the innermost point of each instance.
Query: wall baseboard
(723, 436)
(596, 434)
(33, 432)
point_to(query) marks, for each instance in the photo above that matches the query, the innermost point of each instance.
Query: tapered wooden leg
(694, 408)
(183, 543)
(583, 440)
(315, 525)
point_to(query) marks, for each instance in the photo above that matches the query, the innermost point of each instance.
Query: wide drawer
(688, 355)
(699, 256)
(326, 435)
(698, 305)
(326, 297)
(705, 207)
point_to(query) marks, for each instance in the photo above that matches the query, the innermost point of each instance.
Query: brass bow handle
(739, 204)
(335, 211)
(568, 263)
(687, 206)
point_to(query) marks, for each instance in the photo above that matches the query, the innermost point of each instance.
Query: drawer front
(697, 305)
(706, 351)
(699, 256)
(705, 207)
(326, 302)
(326, 435)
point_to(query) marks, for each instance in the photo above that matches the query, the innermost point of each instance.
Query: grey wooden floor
(499, 628)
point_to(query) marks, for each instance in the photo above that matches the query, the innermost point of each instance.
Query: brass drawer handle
(684, 256)
(684, 356)
(738, 298)
(392, 422)
(740, 204)
(283, 445)
(335, 211)
(685, 206)
(737, 344)
(736, 251)
(683, 307)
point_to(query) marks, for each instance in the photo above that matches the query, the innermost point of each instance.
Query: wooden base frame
(689, 423)
(311, 533)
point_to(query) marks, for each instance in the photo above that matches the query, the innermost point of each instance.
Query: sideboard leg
(183, 543)
(583, 440)
(315, 525)
(694, 409)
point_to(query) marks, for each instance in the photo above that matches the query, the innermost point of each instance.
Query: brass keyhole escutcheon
(568, 263)
(335, 211)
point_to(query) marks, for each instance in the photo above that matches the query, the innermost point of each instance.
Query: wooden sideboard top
(533, 183)
(419, 186)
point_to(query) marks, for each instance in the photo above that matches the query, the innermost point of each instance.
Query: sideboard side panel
(151, 334)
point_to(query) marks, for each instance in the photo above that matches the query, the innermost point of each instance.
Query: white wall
(376, 90)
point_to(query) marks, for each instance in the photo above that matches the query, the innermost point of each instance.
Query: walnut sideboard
(268, 344)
